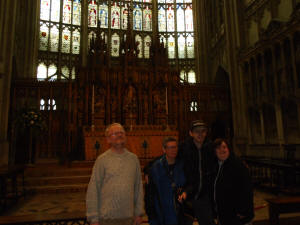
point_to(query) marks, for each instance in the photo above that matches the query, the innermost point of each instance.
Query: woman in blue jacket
(166, 177)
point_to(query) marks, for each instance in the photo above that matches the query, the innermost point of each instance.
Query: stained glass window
(175, 24)
(138, 40)
(147, 19)
(54, 39)
(137, 18)
(60, 36)
(194, 106)
(147, 44)
(191, 76)
(92, 15)
(115, 16)
(124, 16)
(115, 45)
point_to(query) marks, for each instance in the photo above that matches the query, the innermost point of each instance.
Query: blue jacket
(164, 210)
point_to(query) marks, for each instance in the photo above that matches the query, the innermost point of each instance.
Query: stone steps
(54, 178)
(51, 189)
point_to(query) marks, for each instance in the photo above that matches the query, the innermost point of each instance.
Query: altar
(146, 143)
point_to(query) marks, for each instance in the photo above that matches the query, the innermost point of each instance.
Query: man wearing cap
(197, 155)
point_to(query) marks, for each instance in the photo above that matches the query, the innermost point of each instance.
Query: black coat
(188, 152)
(233, 192)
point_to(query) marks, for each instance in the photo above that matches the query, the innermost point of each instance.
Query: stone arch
(222, 125)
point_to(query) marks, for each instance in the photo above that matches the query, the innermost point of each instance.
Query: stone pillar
(236, 79)
(7, 38)
(294, 63)
(279, 126)
(27, 38)
(262, 126)
(201, 47)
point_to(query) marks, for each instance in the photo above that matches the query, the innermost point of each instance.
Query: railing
(276, 175)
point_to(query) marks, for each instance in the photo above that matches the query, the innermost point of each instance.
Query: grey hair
(112, 125)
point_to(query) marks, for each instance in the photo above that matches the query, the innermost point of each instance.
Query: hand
(138, 220)
(182, 197)
(146, 179)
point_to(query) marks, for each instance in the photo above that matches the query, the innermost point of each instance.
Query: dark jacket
(164, 206)
(233, 192)
(188, 152)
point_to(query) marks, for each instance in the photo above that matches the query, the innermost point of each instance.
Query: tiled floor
(54, 204)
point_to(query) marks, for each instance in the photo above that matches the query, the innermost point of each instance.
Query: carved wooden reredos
(141, 94)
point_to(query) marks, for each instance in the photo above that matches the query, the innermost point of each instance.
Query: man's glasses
(117, 133)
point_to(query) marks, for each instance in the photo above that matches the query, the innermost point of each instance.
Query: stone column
(7, 38)
(262, 126)
(236, 79)
(201, 46)
(279, 126)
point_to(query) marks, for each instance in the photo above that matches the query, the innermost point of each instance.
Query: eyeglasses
(116, 133)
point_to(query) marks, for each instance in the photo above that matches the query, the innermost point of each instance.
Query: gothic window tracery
(61, 33)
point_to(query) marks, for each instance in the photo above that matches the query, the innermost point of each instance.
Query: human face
(171, 150)
(199, 134)
(116, 136)
(222, 151)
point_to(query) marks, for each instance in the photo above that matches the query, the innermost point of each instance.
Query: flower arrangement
(31, 118)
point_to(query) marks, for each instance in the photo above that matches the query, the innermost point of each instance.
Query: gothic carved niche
(99, 101)
(130, 100)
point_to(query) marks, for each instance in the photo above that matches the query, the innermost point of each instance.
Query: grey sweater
(115, 189)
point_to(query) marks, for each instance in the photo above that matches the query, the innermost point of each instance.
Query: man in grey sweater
(115, 190)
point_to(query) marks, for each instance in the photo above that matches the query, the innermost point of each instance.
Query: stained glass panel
(191, 77)
(42, 71)
(170, 19)
(67, 11)
(45, 9)
(137, 18)
(189, 19)
(147, 19)
(76, 42)
(54, 37)
(180, 19)
(181, 47)
(65, 71)
(182, 76)
(52, 70)
(115, 17)
(171, 47)
(92, 17)
(42, 104)
(179, 1)
(115, 45)
(55, 10)
(103, 15)
(147, 45)
(73, 73)
(76, 12)
(188, 1)
(66, 38)
(190, 47)
(147, 0)
(44, 33)
(169, 1)
(124, 17)
(139, 42)
(161, 20)
(161, 1)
